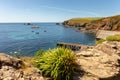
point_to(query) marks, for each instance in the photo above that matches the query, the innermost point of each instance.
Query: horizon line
(32, 22)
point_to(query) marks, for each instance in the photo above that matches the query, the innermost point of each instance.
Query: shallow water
(20, 37)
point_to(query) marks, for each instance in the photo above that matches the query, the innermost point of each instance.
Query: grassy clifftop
(106, 23)
(82, 20)
(79, 21)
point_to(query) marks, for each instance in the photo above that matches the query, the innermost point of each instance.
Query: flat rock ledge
(101, 63)
(11, 69)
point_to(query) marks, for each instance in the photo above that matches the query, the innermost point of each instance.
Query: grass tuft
(58, 63)
(109, 38)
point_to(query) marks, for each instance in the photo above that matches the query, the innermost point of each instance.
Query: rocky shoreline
(102, 62)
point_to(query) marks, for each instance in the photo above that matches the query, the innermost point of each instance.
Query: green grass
(82, 20)
(109, 38)
(39, 54)
(115, 17)
(100, 41)
(91, 19)
(58, 63)
(113, 38)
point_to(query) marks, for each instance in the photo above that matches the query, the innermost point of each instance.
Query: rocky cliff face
(108, 23)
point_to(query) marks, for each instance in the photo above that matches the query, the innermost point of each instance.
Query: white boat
(35, 26)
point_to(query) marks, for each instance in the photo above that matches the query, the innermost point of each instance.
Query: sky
(55, 10)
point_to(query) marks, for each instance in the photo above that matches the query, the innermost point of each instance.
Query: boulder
(6, 60)
(109, 47)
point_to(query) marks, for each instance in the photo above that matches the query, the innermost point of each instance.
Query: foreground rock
(101, 62)
(14, 69)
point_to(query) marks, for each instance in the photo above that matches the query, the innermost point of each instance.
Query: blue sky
(55, 10)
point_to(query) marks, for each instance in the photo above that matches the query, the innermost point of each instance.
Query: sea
(27, 40)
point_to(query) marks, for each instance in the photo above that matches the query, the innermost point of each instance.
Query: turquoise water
(20, 37)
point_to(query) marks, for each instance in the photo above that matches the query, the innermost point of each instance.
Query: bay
(28, 40)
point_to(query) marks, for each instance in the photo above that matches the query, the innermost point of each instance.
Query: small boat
(37, 32)
(35, 26)
(45, 31)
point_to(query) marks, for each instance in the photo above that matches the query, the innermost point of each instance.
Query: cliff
(107, 23)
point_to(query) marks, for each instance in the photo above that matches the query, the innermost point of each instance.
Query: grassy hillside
(80, 21)
(107, 23)
(83, 20)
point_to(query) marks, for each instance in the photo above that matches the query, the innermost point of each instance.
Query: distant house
(102, 34)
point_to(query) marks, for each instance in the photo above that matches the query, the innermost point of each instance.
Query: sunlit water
(20, 37)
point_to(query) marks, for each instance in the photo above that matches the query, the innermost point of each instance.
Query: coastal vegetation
(109, 38)
(82, 20)
(58, 63)
(100, 41)
(79, 21)
(106, 23)
(113, 38)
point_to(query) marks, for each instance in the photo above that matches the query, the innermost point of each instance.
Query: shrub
(39, 54)
(58, 63)
(100, 41)
(109, 38)
(113, 38)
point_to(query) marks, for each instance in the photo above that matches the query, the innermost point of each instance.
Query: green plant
(58, 63)
(39, 54)
(100, 41)
(109, 38)
(113, 38)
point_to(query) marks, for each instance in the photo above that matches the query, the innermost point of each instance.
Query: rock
(101, 62)
(10, 61)
(11, 69)
(109, 47)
